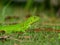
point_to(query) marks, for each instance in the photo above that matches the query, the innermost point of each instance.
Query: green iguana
(20, 27)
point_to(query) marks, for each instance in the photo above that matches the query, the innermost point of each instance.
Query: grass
(43, 38)
(31, 37)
